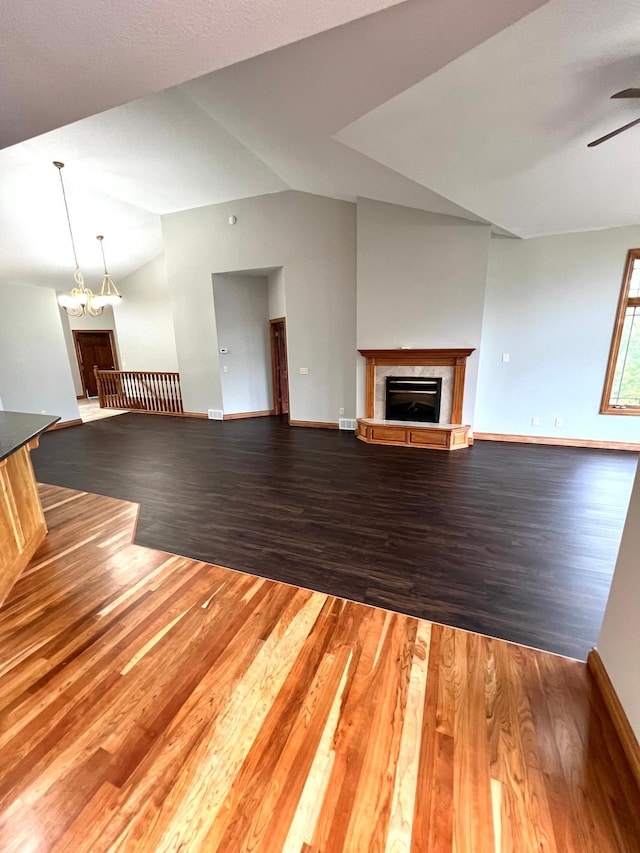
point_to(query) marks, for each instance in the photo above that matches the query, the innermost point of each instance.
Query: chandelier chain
(104, 260)
(66, 207)
(81, 300)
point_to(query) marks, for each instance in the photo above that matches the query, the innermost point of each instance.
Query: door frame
(76, 345)
(275, 379)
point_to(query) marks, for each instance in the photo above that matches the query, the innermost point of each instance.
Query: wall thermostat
(223, 350)
(233, 220)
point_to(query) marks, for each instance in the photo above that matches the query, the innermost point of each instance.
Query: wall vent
(215, 414)
(347, 423)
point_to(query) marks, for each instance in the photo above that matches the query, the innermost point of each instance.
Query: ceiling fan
(626, 93)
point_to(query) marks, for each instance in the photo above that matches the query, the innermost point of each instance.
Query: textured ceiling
(503, 130)
(260, 126)
(287, 105)
(63, 61)
(467, 109)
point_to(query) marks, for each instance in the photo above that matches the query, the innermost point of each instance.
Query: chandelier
(81, 300)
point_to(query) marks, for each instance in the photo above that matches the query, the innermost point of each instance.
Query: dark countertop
(18, 428)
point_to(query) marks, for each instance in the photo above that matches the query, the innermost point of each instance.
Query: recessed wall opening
(250, 316)
(413, 398)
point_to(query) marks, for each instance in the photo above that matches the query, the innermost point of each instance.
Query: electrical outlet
(535, 421)
(559, 422)
(342, 411)
(225, 369)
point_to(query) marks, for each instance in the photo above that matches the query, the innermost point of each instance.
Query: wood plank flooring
(513, 541)
(154, 703)
(90, 410)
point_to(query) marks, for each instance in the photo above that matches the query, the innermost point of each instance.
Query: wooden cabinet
(22, 524)
(388, 434)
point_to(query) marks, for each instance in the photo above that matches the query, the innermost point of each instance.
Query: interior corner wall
(86, 323)
(420, 283)
(35, 375)
(71, 352)
(551, 304)
(242, 323)
(313, 239)
(620, 634)
(277, 300)
(144, 322)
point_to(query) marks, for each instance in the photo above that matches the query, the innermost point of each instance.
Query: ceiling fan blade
(613, 133)
(627, 93)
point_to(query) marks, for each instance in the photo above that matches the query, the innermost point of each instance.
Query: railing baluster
(159, 392)
(169, 393)
(166, 393)
(178, 392)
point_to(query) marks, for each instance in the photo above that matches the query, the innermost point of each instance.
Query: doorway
(94, 349)
(279, 366)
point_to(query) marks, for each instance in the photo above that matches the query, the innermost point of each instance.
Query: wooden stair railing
(145, 391)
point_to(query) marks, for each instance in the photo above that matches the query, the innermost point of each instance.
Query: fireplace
(413, 398)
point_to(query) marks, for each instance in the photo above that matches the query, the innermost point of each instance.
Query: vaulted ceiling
(474, 110)
(503, 130)
(64, 61)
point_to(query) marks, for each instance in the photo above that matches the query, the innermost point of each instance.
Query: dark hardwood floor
(514, 541)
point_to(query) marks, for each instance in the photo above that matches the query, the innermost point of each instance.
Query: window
(622, 383)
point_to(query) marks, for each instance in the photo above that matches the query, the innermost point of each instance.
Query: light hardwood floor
(151, 703)
(90, 411)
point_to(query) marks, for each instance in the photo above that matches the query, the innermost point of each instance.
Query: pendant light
(108, 292)
(81, 300)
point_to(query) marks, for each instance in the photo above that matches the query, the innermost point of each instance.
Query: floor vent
(347, 423)
(215, 414)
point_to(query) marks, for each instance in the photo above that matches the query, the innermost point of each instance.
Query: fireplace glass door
(413, 398)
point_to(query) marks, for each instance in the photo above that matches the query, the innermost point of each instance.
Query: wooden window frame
(624, 303)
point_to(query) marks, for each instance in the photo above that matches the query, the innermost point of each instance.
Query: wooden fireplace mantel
(419, 357)
(456, 358)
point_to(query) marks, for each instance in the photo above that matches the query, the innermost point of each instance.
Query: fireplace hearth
(413, 398)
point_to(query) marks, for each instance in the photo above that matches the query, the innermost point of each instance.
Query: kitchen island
(22, 524)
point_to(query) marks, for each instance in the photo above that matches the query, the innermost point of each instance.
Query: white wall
(619, 642)
(106, 321)
(277, 299)
(86, 323)
(421, 282)
(551, 304)
(71, 352)
(34, 367)
(242, 322)
(313, 239)
(144, 323)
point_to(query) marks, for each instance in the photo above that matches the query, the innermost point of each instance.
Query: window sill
(630, 410)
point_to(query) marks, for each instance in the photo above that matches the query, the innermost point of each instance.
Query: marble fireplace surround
(450, 364)
(446, 393)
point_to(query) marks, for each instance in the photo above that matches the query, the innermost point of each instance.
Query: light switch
(505, 357)
(304, 370)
